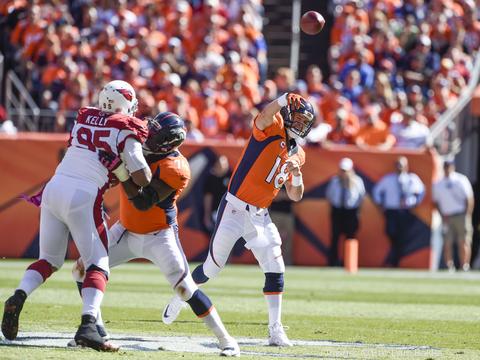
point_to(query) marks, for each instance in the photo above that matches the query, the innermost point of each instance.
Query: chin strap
(291, 144)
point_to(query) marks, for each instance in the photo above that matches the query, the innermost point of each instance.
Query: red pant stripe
(95, 279)
(43, 267)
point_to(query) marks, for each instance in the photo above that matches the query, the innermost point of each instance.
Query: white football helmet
(118, 96)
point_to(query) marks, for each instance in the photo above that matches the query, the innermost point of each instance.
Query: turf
(440, 311)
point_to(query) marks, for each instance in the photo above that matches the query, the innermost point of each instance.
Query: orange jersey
(172, 169)
(260, 173)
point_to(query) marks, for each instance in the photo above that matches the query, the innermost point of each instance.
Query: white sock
(92, 299)
(215, 324)
(99, 318)
(274, 302)
(31, 280)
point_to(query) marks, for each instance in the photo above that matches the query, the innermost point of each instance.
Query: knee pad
(186, 288)
(200, 303)
(273, 283)
(271, 259)
(43, 267)
(95, 277)
(199, 276)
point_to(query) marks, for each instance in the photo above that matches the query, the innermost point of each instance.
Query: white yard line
(199, 344)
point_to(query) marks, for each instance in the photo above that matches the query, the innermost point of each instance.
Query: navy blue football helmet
(299, 121)
(166, 132)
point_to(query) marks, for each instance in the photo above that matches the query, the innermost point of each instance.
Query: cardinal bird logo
(126, 93)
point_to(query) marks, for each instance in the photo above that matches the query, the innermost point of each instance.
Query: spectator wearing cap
(454, 199)
(396, 194)
(375, 133)
(410, 134)
(345, 193)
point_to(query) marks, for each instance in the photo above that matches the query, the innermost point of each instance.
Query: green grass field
(440, 311)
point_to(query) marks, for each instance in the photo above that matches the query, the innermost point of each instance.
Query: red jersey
(173, 169)
(261, 170)
(93, 131)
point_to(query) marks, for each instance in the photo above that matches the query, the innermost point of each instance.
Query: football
(312, 22)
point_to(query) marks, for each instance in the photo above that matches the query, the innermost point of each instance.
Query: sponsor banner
(29, 160)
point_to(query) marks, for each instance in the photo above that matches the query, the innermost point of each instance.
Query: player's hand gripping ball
(312, 22)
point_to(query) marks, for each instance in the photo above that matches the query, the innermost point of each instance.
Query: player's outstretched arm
(266, 117)
(294, 186)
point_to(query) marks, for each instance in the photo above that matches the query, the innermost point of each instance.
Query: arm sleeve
(133, 155)
(261, 135)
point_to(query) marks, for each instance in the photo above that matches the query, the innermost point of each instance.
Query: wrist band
(121, 173)
(282, 100)
(297, 180)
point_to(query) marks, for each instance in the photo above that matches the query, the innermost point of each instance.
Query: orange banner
(29, 160)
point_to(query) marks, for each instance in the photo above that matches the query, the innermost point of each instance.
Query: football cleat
(11, 314)
(102, 331)
(87, 335)
(277, 336)
(228, 346)
(172, 310)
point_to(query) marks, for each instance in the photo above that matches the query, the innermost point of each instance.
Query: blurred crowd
(395, 65)
(202, 59)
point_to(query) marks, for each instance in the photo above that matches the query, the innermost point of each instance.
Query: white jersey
(93, 131)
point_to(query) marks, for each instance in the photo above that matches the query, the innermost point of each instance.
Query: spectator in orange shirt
(334, 100)
(349, 120)
(342, 132)
(375, 134)
(214, 119)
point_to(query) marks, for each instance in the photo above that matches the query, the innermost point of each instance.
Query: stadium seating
(206, 60)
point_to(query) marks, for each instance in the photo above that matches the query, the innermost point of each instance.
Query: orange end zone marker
(351, 255)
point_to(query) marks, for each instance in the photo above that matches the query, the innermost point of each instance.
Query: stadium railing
(452, 130)
(21, 107)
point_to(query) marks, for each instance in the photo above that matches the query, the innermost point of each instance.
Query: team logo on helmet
(126, 93)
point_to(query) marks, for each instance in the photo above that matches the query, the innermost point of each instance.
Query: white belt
(240, 204)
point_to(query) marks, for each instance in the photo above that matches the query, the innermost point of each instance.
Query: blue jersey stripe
(254, 149)
(169, 208)
(220, 211)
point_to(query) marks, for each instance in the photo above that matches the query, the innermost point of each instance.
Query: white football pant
(72, 205)
(162, 248)
(236, 219)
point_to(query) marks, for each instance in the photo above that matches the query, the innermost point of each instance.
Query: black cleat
(102, 332)
(11, 313)
(87, 335)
